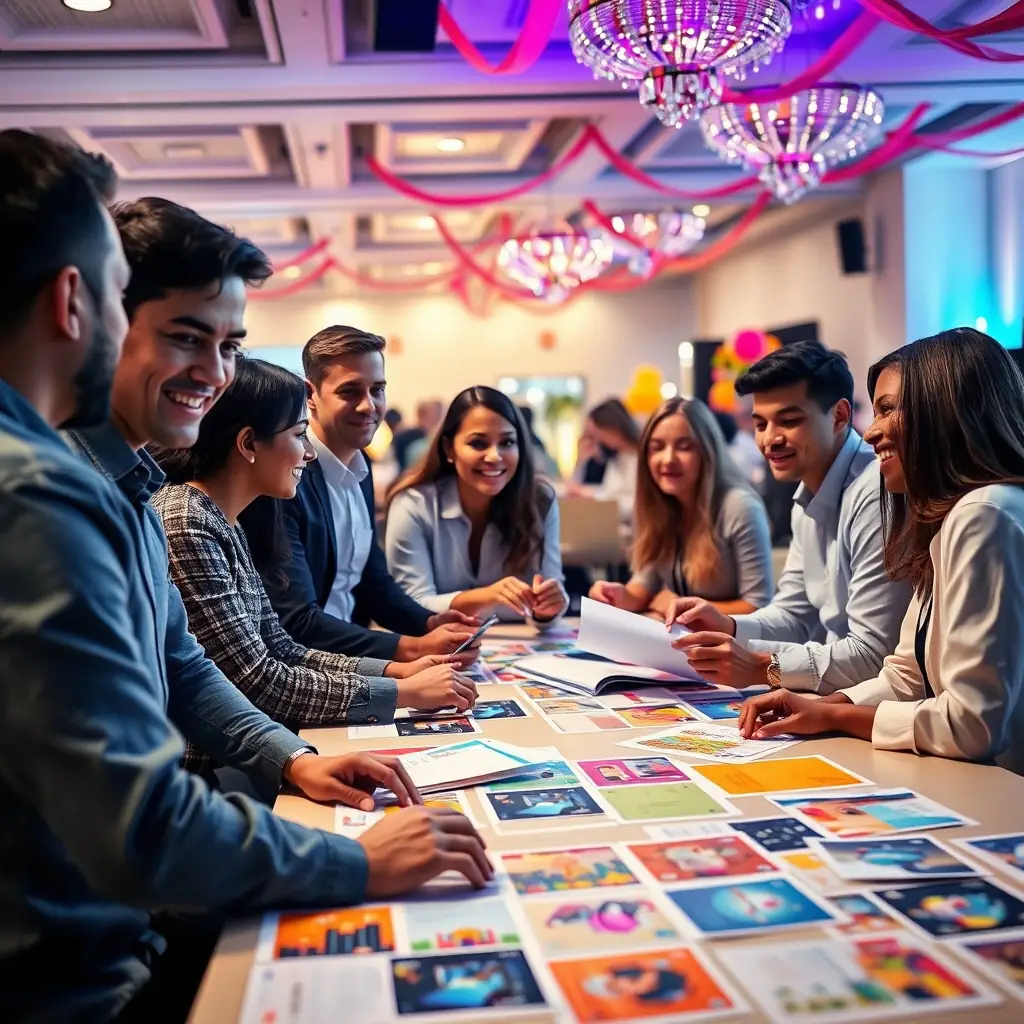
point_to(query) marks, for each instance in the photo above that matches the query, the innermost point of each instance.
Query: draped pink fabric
(525, 51)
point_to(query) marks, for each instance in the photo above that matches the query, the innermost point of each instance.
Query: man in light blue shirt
(836, 613)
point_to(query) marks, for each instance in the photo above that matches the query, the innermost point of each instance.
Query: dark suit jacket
(311, 569)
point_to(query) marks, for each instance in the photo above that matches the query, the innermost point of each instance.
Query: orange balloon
(547, 339)
(722, 396)
(394, 346)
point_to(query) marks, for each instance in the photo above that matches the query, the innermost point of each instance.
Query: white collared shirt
(353, 530)
(972, 643)
(836, 614)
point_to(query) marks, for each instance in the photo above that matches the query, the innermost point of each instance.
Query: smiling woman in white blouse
(949, 433)
(471, 528)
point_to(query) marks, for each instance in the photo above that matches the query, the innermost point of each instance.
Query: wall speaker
(852, 251)
(405, 26)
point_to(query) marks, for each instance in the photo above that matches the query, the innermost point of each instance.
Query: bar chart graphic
(340, 932)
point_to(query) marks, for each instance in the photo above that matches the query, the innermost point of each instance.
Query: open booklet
(625, 650)
(470, 763)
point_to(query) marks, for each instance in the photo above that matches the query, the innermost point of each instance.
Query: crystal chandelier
(550, 264)
(792, 143)
(644, 238)
(677, 49)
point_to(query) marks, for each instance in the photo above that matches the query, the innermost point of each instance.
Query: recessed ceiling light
(701, 210)
(432, 268)
(291, 272)
(88, 6)
(424, 223)
(452, 145)
(184, 151)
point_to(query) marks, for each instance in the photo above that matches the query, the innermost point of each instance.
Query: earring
(252, 461)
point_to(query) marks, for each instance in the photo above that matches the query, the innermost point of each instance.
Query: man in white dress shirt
(836, 614)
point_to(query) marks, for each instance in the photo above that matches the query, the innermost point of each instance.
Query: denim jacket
(99, 677)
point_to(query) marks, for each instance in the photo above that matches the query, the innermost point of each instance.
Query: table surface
(991, 796)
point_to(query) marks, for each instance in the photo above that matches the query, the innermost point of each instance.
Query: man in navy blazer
(336, 581)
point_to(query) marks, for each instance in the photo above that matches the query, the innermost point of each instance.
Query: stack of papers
(471, 763)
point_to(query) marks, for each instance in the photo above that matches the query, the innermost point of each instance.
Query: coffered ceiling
(262, 113)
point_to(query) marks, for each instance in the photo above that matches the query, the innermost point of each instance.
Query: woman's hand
(404, 669)
(550, 599)
(439, 686)
(513, 593)
(609, 593)
(780, 712)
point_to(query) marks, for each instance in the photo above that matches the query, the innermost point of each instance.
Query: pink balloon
(748, 345)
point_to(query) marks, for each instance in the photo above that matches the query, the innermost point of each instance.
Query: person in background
(949, 435)
(742, 446)
(836, 612)
(249, 457)
(471, 527)
(335, 582)
(543, 462)
(699, 528)
(99, 824)
(616, 431)
(412, 443)
(592, 458)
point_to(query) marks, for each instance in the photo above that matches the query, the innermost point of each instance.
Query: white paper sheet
(632, 639)
(465, 764)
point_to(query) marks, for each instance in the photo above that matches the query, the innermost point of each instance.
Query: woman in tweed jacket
(251, 450)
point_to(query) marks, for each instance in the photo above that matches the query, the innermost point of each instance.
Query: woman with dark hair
(471, 528)
(250, 454)
(699, 528)
(611, 433)
(949, 434)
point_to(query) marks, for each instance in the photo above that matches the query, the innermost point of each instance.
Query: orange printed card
(782, 775)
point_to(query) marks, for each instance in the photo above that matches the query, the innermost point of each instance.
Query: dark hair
(52, 197)
(611, 414)
(515, 511)
(170, 246)
(961, 427)
(335, 343)
(269, 399)
(826, 372)
(392, 418)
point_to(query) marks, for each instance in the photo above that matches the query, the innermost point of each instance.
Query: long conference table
(990, 795)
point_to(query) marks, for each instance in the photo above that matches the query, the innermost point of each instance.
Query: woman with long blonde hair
(700, 529)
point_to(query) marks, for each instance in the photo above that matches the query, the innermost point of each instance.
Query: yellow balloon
(722, 396)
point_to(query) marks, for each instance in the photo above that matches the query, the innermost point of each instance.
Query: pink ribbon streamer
(959, 39)
(898, 142)
(296, 286)
(526, 50)
(306, 254)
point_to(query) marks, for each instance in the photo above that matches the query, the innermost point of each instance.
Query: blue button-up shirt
(836, 614)
(98, 822)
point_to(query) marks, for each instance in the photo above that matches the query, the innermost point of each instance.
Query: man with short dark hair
(336, 581)
(836, 614)
(99, 824)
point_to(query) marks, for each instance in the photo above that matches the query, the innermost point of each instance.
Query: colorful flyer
(968, 906)
(437, 927)
(569, 705)
(450, 725)
(537, 776)
(722, 710)
(541, 691)
(657, 716)
(510, 675)
(464, 981)
(867, 916)
(632, 771)
(777, 835)
(846, 981)
(708, 741)
(631, 698)
(486, 710)
(348, 931)
(598, 922)
(1005, 851)
(1001, 957)
(810, 869)
(676, 984)
(666, 801)
(351, 821)
(750, 907)
(567, 870)
(783, 775)
(542, 804)
(902, 858)
(687, 860)
(883, 813)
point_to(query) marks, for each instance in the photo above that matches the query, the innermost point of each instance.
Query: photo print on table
(1005, 851)
(465, 981)
(676, 984)
(598, 922)
(867, 916)
(345, 931)
(707, 741)
(781, 775)
(967, 906)
(433, 927)
(542, 804)
(777, 835)
(632, 771)
(488, 710)
(567, 870)
(656, 716)
(538, 776)
(848, 981)
(901, 858)
(666, 801)
(1000, 957)
(708, 857)
(751, 906)
(451, 725)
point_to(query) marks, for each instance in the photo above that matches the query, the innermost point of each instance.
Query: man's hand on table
(407, 849)
(351, 779)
